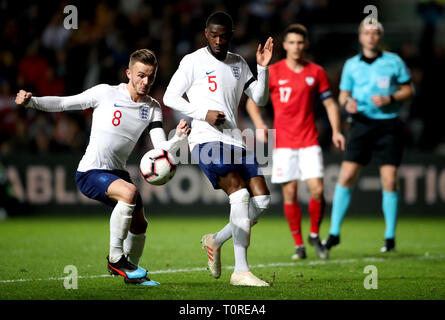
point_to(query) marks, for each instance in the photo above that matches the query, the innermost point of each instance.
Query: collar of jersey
(123, 87)
(206, 49)
(370, 60)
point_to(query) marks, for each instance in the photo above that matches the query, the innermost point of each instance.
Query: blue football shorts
(94, 184)
(216, 159)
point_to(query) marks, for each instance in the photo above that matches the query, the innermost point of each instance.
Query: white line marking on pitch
(278, 264)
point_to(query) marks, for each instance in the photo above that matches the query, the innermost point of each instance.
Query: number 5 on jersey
(213, 86)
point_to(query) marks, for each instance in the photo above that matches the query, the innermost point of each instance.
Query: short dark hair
(144, 56)
(296, 28)
(220, 18)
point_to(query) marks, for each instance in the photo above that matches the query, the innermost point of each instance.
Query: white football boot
(214, 255)
(247, 279)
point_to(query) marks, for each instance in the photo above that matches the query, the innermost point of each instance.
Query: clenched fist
(23, 97)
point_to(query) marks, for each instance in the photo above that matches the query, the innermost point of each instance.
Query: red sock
(293, 215)
(316, 209)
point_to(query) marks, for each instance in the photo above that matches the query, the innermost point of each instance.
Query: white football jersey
(117, 123)
(211, 84)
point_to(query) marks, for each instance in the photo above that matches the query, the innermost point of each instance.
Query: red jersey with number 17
(293, 97)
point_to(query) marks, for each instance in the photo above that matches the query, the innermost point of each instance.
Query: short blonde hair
(144, 56)
(368, 22)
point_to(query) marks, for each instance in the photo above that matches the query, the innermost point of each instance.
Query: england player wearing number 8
(121, 114)
(295, 84)
(214, 80)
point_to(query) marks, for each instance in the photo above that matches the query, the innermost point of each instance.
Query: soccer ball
(157, 167)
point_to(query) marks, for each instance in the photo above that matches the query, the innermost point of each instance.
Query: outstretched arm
(55, 104)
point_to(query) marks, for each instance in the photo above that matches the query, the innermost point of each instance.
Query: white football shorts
(296, 164)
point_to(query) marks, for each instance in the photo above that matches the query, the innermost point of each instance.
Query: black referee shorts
(380, 140)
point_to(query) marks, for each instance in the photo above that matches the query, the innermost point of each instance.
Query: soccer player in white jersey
(214, 80)
(121, 114)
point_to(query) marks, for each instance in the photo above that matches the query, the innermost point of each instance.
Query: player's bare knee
(347, 180)
(348, 174)
(232, 182)
(389, 185)
(238, 182)
(318, 194)
(129, 194)
(389, 181)
(257, 187)
(289, 197)
(316, 189)
(290, 191)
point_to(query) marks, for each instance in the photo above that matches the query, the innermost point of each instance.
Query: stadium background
(39, 152)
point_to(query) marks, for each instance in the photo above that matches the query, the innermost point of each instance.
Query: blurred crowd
(39, 54)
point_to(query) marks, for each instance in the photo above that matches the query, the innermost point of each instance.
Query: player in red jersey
(294, 85)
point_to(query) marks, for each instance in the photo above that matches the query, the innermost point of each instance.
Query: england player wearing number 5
(214, 80)
(121, 114)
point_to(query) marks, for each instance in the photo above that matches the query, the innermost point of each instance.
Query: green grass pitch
(34, 252)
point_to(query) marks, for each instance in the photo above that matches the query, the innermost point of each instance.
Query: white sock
(120, 221)
(240, 224)
(257, 205)
(223, 235)
(134, 247)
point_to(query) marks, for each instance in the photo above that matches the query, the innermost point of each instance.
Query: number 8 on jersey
(117, 118)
